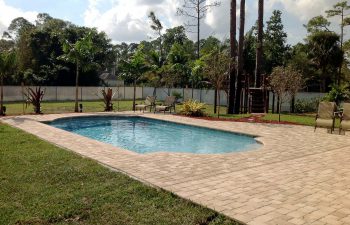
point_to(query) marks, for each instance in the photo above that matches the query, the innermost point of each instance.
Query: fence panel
(63, 93)
(208, 96)
(147, 91)
(161, 93)
(300, 96)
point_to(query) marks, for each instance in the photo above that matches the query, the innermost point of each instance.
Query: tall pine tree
(275, 42)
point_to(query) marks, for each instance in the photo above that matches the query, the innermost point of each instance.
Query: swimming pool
(143, 135)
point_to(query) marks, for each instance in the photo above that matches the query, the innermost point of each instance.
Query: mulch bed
(251, 119)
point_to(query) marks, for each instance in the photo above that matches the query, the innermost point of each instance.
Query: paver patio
(296, 177)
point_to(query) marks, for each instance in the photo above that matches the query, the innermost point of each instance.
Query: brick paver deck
(296, 177)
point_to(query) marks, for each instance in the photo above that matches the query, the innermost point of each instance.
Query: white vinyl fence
(62, 93)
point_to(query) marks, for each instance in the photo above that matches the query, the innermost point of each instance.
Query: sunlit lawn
(308, 120)
(64, 107)
(95, 106)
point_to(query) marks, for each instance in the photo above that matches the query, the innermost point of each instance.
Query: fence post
(124, 92)
(56, 94)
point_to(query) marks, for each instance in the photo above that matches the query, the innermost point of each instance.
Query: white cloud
(8, 13)
(127, 20)
(299, 12)
(302, 9)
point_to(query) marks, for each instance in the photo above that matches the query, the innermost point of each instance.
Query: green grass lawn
(308, 120)
(16, 108)
(126, 105)
(43, 184)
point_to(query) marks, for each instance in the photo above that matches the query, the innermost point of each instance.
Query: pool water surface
(143, 135)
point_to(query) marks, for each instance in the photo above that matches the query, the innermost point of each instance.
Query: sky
(127, 21)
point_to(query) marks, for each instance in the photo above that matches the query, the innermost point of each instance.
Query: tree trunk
(292, 105)
(341, 46)
(273, 102)
(279, 111)
(160, 48)
(259, 46)
(323, 85)
(246, 93)
(215, 99)
(2, 113)
(198, 28)
(134, 97)
(219, 103)
(233, 52)
(76, 89)
(240, 58)
(278, 104)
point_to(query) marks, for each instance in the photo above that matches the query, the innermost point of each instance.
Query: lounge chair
(345, 118)
(325, 115)
(169, 103)
(149, 102)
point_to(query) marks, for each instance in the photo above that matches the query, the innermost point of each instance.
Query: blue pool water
(147, 135)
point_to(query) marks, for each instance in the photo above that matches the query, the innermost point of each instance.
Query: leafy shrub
(338, 94)
(306, 105)
(34, 97)
(177, 95)
(193, 108)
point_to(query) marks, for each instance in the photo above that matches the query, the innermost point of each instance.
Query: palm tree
(259, 46)
(134, 68)
(7, 65)
(154, 75)
(233, 52)
(240, 57)
(81, 53)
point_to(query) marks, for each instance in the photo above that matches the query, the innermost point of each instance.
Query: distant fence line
(64, 93)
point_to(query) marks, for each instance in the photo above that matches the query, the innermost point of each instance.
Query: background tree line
(171, 58)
